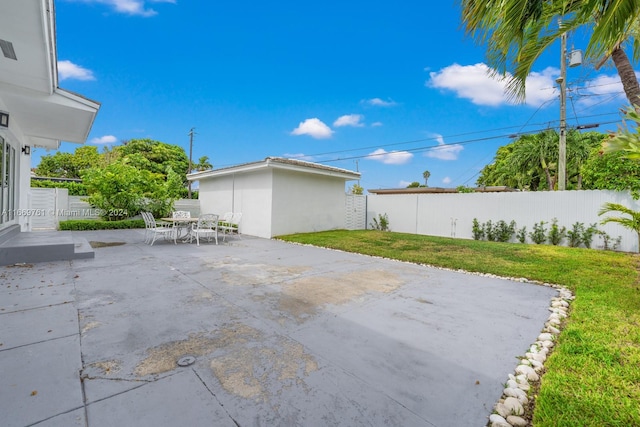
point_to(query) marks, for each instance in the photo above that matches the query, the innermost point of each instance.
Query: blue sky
(388, 90)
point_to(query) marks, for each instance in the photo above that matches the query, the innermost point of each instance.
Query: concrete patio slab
(178, 400)
(279, 334)
(40, 381)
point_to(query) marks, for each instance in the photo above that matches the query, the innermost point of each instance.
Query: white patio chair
(231, 226)
(206, 226)
(147, 226)
(181, 214)
(226, 217)
(167, 231)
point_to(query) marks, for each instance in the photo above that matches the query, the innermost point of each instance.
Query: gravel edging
(515, 406)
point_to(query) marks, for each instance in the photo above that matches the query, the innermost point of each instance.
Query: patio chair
(147, 226)
(181, 214)
(231, 226)
(206, 226)
(167, 231)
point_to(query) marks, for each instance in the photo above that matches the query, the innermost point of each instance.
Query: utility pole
(574, 59)
(191, 132)
(562, 154)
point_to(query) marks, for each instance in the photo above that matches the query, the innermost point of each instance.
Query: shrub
(489, 231)
(92, 224)
(607, 243)
(381, 223)
(74, 188)
(575, 234)
(587, 235)
(503, 231)
(556, 233)
(521, 235)
(478, 230)
(539, 233)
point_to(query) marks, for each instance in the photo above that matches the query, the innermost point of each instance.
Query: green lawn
(593, 375)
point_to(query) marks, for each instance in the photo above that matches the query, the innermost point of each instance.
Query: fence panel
(355, 212)
(452, 214)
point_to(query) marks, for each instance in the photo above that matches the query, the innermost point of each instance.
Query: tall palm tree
(203, 164)
(426, 175)
(517, 32)
(632, 222)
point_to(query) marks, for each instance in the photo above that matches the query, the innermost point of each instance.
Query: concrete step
(31, 247)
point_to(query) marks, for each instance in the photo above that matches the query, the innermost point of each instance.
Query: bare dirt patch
(105, 367)
(258, 372)
(302, 297)
(163, 358)
(257, 274)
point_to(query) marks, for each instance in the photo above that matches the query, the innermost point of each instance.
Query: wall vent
(7, 49)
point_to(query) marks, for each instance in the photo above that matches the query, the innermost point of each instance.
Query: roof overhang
(277, 163)
(29, 90)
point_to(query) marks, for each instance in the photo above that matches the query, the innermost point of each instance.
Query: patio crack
(216, 398)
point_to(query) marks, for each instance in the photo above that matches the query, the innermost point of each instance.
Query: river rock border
(512, 408)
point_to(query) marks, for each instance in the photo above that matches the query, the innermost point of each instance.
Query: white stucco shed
(277, 196)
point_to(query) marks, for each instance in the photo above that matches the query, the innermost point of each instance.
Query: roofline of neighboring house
(277, 163)
(437, 190)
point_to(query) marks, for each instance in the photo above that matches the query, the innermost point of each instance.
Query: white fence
(452, 214)
(355, 212)
(54, 205)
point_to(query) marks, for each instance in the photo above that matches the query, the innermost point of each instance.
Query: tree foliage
(530, 162)
(139, 174)
(154, 156)
(68, 165)
(625, 140)
(203, 164)
(517, 32)
(611, 171)
(631, 221)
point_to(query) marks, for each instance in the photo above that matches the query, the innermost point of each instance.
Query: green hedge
(95, 224)
(75, 188)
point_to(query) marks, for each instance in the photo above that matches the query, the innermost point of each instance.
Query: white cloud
(376, 124)
(131, 7)
(378, 102)
(69, 70)
(391, 157)
(446, 180)
(107, 139)
(474, 82)
(602, 88)
(354, 120)
(444, 151)
(404, 184)
(314, 128)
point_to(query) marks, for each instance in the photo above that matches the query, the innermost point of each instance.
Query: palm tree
(632, 223)
(203, 164)
(517, 32)
(625, 140)
(426, 175)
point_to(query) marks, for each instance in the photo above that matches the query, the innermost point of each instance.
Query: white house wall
(247, 193)
(305, 202)
(451, 215)
(14, 136)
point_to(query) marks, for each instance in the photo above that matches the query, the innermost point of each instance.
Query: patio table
(182, 226)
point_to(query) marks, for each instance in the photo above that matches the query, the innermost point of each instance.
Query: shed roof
(277, 163)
